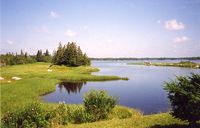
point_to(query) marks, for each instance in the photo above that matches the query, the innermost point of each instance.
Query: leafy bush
(184, 95)
(31, 116)
(61, 114)
(81, 116)
(99, 104)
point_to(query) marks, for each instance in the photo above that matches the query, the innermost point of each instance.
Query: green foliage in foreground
(37, 115)
(99, 104)
(32, 116)
(184, 95)
(186, 64)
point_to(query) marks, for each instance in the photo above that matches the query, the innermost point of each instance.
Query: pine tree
(39, 56)
(70, 55)
(47, 53)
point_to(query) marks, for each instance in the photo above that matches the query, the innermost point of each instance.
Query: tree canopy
(70, 55)
(184, 95)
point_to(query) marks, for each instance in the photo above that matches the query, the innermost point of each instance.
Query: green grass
(186, 64)
(37, 81)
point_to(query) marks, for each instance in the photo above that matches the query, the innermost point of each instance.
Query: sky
(103, 28)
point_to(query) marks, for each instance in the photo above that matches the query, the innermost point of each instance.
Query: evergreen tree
(47, 53)
(39, 56)
(79, 57)
(70, 55)
(22, 53)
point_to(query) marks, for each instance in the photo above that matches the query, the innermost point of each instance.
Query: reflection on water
(71, 87)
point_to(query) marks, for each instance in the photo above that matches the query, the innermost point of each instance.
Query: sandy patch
(16, 78)
(49, 70)
(1, 78)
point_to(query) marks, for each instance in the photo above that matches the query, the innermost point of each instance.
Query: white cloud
(181, 39)
(174, 25)
(70, 33)
(54, 14)
(9, 42)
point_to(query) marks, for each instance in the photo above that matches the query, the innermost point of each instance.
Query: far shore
(186, 64)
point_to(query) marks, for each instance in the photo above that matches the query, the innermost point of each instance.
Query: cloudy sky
(103, 28)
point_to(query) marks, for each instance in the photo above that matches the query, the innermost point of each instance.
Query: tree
(47, 53)
(184, 95)
(70, 55)
(39, 56)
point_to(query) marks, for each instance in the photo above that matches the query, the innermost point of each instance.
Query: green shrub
(81, 116)
(184, 95)
(98, 104)
(31, 116)
(61, 114)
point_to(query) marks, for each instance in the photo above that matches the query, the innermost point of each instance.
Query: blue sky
(103, 28)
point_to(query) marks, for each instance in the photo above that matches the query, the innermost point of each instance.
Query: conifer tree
(70, 55)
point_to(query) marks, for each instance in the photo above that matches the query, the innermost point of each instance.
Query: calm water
(143, 91)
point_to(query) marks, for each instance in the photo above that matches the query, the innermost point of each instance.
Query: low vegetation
(98, 104)
(186, 64)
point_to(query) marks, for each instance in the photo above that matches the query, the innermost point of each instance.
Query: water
(143, 91)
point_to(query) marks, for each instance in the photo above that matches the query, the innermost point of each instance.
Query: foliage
(24, 58)
(99, 104)
(31, 116)
(184, 95)
(40, 57)
(61, 114)
(70, 55)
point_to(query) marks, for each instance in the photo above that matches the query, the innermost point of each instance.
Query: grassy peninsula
(38, 79)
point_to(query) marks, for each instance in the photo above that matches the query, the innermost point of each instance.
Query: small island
(185, 64)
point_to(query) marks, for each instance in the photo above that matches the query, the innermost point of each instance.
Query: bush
(30, 117)
(61, 114)
(81, 116)
(99, 104)
(184, 95)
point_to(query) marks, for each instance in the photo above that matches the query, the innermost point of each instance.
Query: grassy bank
(186, 64)
(39, 78)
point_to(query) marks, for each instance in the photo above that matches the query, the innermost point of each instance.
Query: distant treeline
(146, 58)
(70, 55)
(24, 58)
